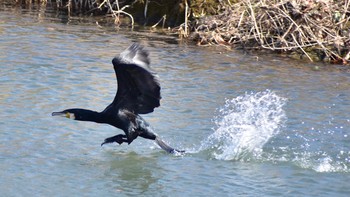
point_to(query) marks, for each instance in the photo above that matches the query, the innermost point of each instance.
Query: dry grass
(116, 12)
(114, 7)
(316, 28)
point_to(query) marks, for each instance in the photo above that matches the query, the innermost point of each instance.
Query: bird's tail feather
(166, 147)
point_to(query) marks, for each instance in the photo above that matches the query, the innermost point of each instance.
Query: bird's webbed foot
(118, 138)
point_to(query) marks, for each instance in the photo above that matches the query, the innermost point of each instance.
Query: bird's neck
(92, 116)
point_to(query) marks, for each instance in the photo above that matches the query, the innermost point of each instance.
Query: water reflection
(132, 173)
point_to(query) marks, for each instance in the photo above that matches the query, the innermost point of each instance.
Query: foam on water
(245, 124)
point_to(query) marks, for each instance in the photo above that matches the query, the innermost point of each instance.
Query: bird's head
(74, 114)
(68, 113)
(81, 114)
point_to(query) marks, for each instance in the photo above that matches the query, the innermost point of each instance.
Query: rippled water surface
(251, 125)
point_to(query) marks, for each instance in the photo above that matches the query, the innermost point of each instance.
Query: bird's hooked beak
(64, 114)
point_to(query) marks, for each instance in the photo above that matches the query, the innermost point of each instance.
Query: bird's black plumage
(138, 93)
(138, 90)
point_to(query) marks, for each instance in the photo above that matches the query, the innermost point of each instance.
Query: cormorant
(138, 93)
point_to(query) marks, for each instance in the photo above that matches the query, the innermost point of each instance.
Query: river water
(252, 125)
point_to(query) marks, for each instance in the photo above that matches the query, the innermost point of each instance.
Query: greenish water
(251, 126)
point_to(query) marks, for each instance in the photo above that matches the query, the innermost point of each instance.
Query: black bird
(138, 93)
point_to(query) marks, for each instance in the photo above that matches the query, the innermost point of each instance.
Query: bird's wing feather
(138, 89)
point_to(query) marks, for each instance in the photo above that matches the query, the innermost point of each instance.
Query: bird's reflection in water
(132, 173)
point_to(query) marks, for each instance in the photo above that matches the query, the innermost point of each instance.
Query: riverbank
(316, 30)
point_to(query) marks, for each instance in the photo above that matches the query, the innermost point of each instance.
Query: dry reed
(97, 7)
(316, 28)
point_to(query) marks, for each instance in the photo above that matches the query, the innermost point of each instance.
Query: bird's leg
(118, 138)
(147, 134)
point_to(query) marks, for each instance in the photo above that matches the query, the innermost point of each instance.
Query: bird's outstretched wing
(138, 89)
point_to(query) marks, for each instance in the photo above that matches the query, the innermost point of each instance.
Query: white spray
(245, 124)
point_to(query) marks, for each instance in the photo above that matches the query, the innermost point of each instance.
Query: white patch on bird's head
(70, 115)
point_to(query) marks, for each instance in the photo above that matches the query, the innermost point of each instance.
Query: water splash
(245, 124)
(248, 128)
(314, 153)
